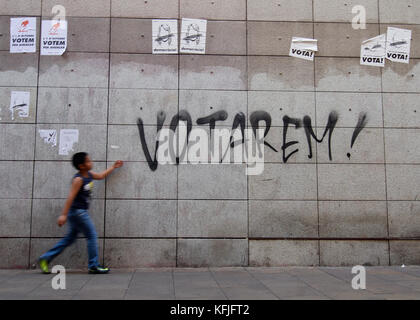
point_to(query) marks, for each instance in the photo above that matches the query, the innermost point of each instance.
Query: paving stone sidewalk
(216, 284)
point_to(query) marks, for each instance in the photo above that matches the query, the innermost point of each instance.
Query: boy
(76, 212)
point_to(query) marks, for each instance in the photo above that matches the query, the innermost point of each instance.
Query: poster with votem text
(53, 37)
(193, 36)
(22, 35)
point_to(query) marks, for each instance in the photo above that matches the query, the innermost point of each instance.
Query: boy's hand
(61, 220)
(118, 164)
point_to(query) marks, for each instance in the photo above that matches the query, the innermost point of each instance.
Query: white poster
(49, 136)
(165, 36)
(372, 52)
(68, 137)
(398, 43)
(53, 37)
(303, 48)
(19, 104)
(193, 36)
(22, 35)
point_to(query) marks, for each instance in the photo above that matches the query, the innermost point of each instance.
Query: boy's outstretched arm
(75, 187)
(102, 175)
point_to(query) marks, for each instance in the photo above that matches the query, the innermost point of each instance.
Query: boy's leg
(88, 229)
(63, 243)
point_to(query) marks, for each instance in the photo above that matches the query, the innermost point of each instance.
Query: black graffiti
(153, 164)
(298, 124)
(240, 122)
(181, 116)
(307, 123)
(255, 119)
(361, 123)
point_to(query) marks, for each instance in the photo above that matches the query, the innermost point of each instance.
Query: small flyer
(372, 52)
(303, 48)
(165, 36)
(68, 137)
(53, 37)
(398, 42)
(19, 104)
(49, 136)
(22, 35)
(193, 36)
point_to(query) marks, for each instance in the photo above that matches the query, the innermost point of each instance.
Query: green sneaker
(43, 264)
(98, 270)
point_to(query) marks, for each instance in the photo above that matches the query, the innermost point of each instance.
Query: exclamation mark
(361, 123)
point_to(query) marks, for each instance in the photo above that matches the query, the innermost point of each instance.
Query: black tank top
(83, 196)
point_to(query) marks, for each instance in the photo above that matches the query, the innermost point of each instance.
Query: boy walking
(75, 211)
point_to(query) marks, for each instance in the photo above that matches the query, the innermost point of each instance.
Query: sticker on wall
(372, 52)
(53, 37)
(49, 136)
(68, 137)
(165, 36)
(303, 48)
(398, 42)
(19, 104)
(22, 35)
(193, 36)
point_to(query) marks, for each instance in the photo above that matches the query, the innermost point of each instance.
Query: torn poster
(49, 136)
(372, 52)
(398, 43)
(165, 36)
(22, 35)
(19, 104)
(68, 137)
(303, 48)
(53, 37)
(193, 36)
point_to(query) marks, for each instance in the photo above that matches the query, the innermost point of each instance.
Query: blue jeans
(78, 221)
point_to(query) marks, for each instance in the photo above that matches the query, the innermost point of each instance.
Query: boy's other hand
(61, 220)
(118, 164)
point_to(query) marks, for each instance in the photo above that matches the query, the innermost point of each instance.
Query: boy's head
(81, 161)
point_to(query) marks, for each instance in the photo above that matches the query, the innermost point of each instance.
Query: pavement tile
(286, 283)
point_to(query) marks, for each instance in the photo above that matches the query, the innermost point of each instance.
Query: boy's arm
(102, 175)
(75, 187)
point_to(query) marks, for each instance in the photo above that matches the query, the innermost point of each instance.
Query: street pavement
(285, 283)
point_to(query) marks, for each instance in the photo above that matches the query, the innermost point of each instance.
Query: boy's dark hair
(78, 159)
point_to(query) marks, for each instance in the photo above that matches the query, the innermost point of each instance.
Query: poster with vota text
(303, 48)
(22, 35)
(398, 42)
(372, 52)
(193, 36)
(53, 37)
(165, 36)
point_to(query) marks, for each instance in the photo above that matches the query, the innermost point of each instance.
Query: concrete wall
(308, 211)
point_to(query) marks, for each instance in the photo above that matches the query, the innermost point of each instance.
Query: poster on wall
(49, 136)
(193, 36)
(303, 48)
(53, 37)
(68, 137)
(165, 36)
(372, 52)
(22, 35)
(19, 104)
(398, 42)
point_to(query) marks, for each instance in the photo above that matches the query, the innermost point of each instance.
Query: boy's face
(88, 165)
